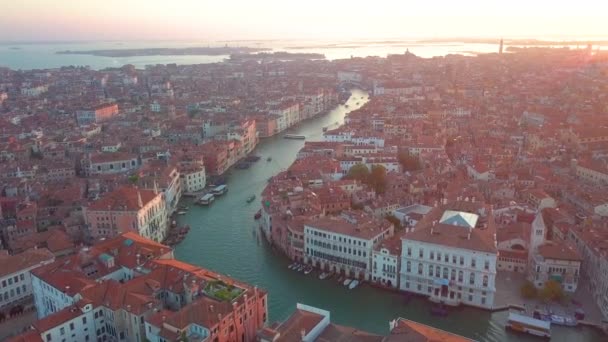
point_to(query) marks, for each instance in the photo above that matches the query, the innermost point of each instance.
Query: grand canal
(222, 238)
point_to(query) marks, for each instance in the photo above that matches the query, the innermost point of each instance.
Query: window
(460, 276)
(485, 281)
(431, 270)
(71, 326)
(446, 258)
(420, 253)
(21, 276)
(419, 268)
(84, 320)
(438, 256)
(62, 331)
(486, 265)
(473, 262)
(432, 256)
(472, 278)
(409, 253)
(408, 267)
(461, 260)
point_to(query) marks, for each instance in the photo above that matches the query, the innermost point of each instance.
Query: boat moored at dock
(207, 199)
(524, 324)
(219, 190)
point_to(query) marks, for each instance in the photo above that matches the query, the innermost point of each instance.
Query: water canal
(222, 239)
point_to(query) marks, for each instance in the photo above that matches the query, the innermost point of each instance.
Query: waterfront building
(192, 175)
(386, 262)
(15, 275)
(555, 261)
(451, 255)
(344, 244)
(127, 209)
(310, 324)
(96, 114)
(130, 288)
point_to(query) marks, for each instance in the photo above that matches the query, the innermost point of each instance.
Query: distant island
(190, 51)
(278, 55)
(522, 42)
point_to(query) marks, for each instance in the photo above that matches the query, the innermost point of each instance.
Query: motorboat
(182, 212)
(323, 276)
(207, 199)
(307, 269)
(258, 215)
(347, 282)
(251, 199)
(294, 136)
(563, 320)
(353, 284)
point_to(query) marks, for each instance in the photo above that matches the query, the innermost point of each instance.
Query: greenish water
(222, 239)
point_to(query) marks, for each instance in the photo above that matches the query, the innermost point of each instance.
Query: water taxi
(294, 136)
(353, 284)
(207, 199)
(529, 325)
(251, 199)
(219, 190)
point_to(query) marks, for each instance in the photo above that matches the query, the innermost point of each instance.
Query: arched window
(420, 268)
(431, 270)
(485, 281)
(460, 276)
(409, 266)
(453, 274)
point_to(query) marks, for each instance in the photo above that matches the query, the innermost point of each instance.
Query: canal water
(223, 238)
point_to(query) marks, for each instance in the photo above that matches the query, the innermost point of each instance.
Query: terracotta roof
(13, 263)
(124, 198)
(60, 317)
(339, 333)
(410, 331)
(291, 329)
(561, 251)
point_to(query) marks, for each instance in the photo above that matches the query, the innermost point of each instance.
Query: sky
(205, 20)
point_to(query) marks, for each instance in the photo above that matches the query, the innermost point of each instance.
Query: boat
(307, 269)
(258, 215)
(347, 282)
(353, 284)
(294, 136)
(251, 199)
(181, 212)
(242, 165)
(563, 320)
(219, 190)
(299, 268)
(292, 266)
(183, 207)
(529, 325)
(269, 159)
(340, 280)
(439, 310)
(323, 276)
(579, 314)
(252, 158)
(207, 199)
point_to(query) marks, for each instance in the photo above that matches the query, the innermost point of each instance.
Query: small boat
(323, 276)
(439, 310)
(294, 136)
(563, 320)
(183, 207)
(307, 270)
(251, 199)
(291, 266)
(220, 190)
(207, 199)
(353, 284)
(182, 212)
(347, 282)
(242, 165)
(300, 268)
(258, 215)
(269, 159)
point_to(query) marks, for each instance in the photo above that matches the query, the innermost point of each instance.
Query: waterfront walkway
(508, 287)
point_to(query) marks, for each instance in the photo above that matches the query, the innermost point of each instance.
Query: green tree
(359, 172)
(377, 178)
(528, 290)
(134, 179)
(551, 291)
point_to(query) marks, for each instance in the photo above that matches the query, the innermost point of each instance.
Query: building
(15, 275)
(310, 324)
(344, 244)
(558, 262)
(192, 175)
(131, 289)
(386, 262)
(97, 114)
(109, 163)
(128, 209)
(451, 255)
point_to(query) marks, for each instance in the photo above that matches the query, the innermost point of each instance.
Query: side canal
(223, 238)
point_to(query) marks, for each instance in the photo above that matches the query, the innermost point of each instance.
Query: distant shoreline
(190, 51)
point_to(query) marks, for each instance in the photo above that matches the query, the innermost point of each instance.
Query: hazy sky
(309, 19)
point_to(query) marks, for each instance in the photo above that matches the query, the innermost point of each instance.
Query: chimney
(469, 235)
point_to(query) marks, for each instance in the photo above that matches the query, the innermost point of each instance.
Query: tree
(134, 179)
(377, 178)
(395, 221)
(551, 291)
(359, 172)
(409, 162)
(528, 290)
